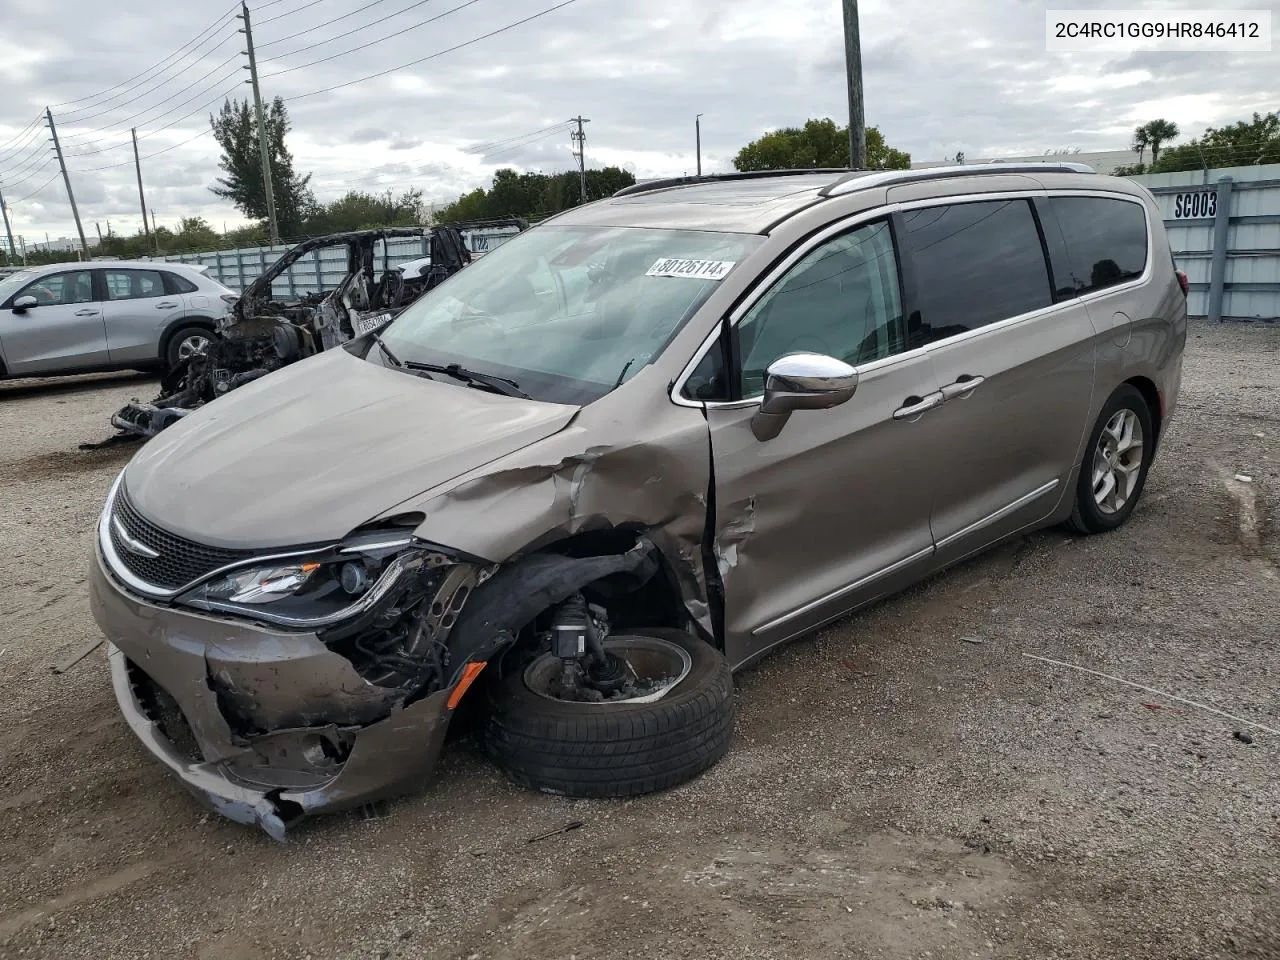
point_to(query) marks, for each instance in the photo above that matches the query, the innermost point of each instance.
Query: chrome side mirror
(801, 381)
(23, 304)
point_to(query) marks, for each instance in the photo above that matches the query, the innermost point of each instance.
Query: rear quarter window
(176, 284)
(1104, 243)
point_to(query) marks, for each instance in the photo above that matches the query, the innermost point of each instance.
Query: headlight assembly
(317, 590)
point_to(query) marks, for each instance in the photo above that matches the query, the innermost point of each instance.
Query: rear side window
(133, 284)
(974, 264)
(176, 284)
(1106, 243)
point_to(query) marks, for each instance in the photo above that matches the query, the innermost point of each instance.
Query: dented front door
(835, 509)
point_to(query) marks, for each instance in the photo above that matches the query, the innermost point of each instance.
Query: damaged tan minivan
(628, 452)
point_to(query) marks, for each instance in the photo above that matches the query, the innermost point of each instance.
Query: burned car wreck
(262, 332)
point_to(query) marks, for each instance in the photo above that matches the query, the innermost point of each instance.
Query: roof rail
(860, 179)
(667, 182)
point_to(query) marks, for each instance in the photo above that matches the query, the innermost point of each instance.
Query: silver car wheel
(1117, 461)
(193, 346)
(656, 665)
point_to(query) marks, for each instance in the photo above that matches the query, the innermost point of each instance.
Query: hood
(312, 451)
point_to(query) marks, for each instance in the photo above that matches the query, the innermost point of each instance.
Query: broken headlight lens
(261, 584)
(316, 590)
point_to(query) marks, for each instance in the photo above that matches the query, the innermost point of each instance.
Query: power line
(19, 135)
(38, 189)
(433, 56)
(481, 147)
(127, 120)
(321, 26)
(129, 163)
(494, 154)
(140, 96)
(363, 46)
(221, 18)
(38, 151)
(287, 13)
(18, 155)
(34, 173)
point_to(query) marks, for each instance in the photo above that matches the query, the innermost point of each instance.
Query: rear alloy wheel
(1115, 464)
(672, 719)
(187, 343)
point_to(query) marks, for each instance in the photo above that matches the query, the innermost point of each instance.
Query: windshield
(15, 282)
(568, 313)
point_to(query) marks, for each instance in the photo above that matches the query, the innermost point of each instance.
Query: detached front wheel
(676, 721)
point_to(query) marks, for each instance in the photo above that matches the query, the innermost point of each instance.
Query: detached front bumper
(145, 420)
(263, 726)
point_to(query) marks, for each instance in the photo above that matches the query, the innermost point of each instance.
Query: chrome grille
(180, 561)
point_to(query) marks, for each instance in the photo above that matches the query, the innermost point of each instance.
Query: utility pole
(57, 148)
(580, 139)
(97, 226)
(853, 66)
(142, 200)
(263, 146)
(697, 139)
(13, 250)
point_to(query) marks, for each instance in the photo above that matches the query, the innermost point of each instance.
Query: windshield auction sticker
(694, 269)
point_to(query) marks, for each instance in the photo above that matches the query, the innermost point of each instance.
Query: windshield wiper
(386, 351)
(472, 378)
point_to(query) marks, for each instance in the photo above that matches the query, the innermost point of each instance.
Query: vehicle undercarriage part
(576, 707)
(515, 595)
(262, 333)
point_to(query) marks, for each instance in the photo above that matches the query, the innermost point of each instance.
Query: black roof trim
(849, 182)
(668, 182)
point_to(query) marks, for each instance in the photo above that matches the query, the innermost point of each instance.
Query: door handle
(165, 306)
(913, 407)
(86, 313)
(962, 387)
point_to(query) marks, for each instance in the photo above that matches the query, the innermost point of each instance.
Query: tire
(1089, 515)
(174, 349)
(613, 750)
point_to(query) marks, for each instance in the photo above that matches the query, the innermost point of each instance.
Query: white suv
(105, 315)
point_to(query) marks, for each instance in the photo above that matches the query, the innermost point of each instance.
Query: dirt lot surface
(895, 789)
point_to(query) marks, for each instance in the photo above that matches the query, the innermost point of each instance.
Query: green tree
(358, 210)
(1156, 133)
(1241, 144)
(819, 143)
(1141, 140)
(533, 195)
(236, 130)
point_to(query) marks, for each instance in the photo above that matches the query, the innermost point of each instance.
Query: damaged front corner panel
(560, 487)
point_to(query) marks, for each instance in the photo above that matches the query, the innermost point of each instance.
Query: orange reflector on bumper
(469, 673)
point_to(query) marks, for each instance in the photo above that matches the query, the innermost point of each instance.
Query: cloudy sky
(969, 75)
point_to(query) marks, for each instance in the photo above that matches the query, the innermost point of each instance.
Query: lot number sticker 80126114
(693, 269)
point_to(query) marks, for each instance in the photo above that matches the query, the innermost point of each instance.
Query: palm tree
(1159, 132)
(1140, 142)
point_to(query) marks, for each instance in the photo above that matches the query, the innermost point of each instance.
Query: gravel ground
(894, 790)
